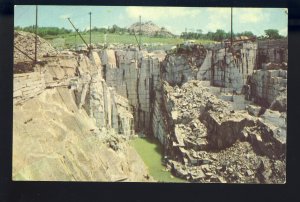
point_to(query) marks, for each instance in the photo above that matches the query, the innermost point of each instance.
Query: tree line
(44, 31)
(220, 35)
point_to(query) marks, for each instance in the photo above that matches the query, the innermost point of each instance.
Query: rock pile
(204, 143)
(26, 42)
(150, 29)
(238, 164)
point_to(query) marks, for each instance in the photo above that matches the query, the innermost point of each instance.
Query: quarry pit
(218, 112)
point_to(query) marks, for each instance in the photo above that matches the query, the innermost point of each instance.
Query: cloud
(250, 15)
(217, 18)
(213, 26)
(159, 13)
(283, 31)
(65, 16)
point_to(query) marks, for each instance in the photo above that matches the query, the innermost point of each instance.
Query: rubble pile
(280, 101)
(238, 163)
(149, 29)
(203, 128)
(26, 42)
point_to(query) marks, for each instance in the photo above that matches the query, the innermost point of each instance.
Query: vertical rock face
(101, 101)
(149, 76)
(222, 66)
(268, 85)
(183, 65)
(204, 72)
(275, 51)
(134, 75)
(231, 67)
(159, 124)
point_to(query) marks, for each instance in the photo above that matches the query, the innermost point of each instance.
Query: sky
(175, 19)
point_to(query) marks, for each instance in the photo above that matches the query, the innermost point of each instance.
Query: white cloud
(283, 31)
(250, 15)
(217, 18)
(65, 16)
(158, 13)
(213, 26)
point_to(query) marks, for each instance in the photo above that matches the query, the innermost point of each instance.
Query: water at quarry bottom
(151, 152)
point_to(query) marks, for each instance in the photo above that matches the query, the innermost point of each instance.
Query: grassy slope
(151, 152)
(98, 37)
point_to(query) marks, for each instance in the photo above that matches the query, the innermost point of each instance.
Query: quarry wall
(27, 86)
(275, 51)
(103, 103)
(230, 68)
(267, 84)
(134, 75)
(138, 75)
(224, 67)
(84, 78)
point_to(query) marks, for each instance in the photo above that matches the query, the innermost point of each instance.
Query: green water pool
(151, 152)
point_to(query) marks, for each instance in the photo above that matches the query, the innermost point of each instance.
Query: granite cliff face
(69, 125)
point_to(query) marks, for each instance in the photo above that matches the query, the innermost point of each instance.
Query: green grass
(98, 37)
(151, 152)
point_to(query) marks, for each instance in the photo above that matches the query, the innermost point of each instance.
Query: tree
(219, 35)
(272, 34)
(199, 31)
(247, 33)
(209, 35)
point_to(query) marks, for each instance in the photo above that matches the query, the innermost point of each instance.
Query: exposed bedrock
(184, 64)
(135, 76)
(71, 126)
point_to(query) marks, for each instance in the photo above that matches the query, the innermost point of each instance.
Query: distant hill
(150, 29)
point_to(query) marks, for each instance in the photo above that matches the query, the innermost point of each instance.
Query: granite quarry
(219, 111)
